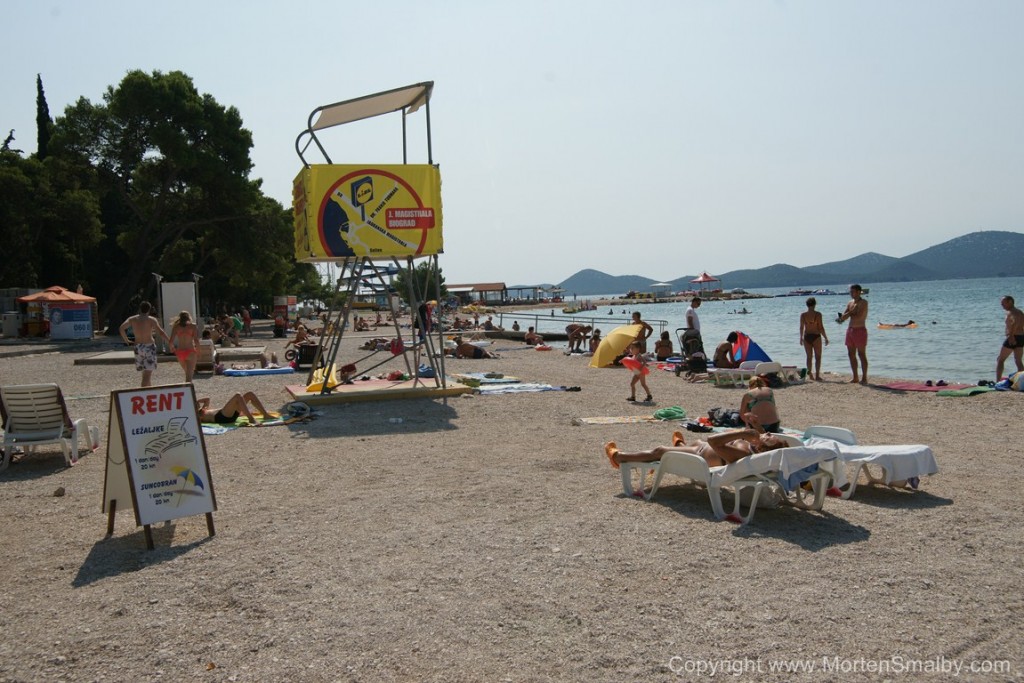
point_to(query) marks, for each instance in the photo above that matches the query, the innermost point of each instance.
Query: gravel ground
(485, 538)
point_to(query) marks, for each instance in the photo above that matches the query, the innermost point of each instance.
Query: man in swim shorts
(464, 349)
(143, 327)
(1014, 342)
(577, 335)
(857, 333)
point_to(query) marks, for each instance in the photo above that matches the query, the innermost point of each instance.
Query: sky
(643, 138)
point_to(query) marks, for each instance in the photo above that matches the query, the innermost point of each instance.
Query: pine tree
(44, 124)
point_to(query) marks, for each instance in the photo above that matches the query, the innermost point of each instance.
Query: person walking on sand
(640, 370)
(1014, 342)
(857, 333)
(185, 344)
(812, 331)
(143, 327)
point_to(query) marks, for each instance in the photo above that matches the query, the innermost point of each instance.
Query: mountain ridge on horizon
(986, 253)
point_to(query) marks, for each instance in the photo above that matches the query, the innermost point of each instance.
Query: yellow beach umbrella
(614, 343)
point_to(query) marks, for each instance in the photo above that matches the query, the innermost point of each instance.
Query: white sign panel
(157, 441)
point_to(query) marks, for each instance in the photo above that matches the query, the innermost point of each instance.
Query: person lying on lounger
(235, 406)
(719, 449)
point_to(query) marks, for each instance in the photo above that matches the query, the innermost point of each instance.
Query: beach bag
(724, 417)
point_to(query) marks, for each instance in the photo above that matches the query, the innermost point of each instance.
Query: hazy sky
(652, 138)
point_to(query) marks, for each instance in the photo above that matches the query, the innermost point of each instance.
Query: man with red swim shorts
(857, 333)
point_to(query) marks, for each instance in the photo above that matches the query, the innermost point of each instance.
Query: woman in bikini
(812, 331)
(719, 449)
(757, 407)
(185, 343)
(235, 406)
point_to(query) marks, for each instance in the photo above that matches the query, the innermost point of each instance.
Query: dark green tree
(49, 221)
(44, 124)
(172, 166)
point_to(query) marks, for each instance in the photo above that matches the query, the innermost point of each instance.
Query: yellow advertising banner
(384, 211)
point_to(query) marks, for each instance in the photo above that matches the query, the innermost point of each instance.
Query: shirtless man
(1014, 337)
(143, 326)
(723, 357)
(577, 335)
(532, 338)
(857, 333)
(464, 349)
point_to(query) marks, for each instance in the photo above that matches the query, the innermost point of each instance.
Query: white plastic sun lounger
(781, 470)
(898, 464)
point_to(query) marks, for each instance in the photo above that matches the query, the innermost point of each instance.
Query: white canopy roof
(410, 97)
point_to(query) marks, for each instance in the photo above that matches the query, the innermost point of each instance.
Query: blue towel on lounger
(796, 478)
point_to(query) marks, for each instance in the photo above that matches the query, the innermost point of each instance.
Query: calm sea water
(960, 326)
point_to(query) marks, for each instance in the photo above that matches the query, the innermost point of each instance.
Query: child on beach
(638, 365)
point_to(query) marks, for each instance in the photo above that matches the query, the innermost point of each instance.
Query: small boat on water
(579, 308)
(909, 325)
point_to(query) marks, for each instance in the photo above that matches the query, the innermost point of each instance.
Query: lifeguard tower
(361, 217)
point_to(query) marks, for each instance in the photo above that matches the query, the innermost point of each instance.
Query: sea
(960, 326)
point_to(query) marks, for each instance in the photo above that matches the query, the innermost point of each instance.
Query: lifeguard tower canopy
(379, 211)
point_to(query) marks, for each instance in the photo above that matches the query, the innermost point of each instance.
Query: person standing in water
(812, 331)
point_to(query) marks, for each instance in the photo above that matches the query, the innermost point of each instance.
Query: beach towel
(921, 386)
(488, 377)
(621, 419)
(521, 388)
(967, 391)
(246, 372)
(274, 419)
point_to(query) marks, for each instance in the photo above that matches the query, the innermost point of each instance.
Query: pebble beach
(486, 538)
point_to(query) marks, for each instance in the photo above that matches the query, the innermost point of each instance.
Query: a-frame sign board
(156, 458)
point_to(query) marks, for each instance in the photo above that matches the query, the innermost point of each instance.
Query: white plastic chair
(35, 415)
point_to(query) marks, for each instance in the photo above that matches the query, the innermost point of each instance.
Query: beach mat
(616, 420)
(519, 388)
(271, 420)
(921, 386)
(966, 391)
(249, 372)
(487, 377)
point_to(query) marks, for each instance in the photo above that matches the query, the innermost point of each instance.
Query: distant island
(989, 253)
